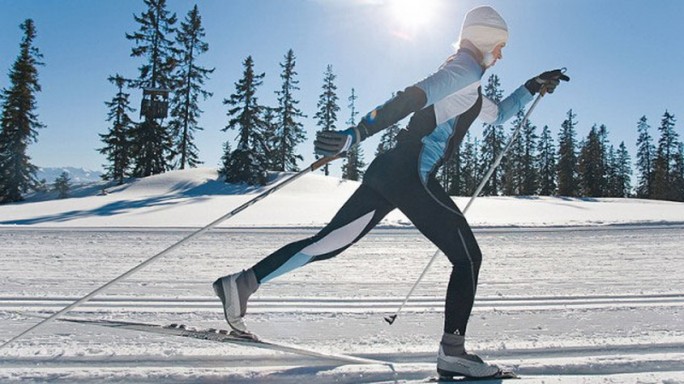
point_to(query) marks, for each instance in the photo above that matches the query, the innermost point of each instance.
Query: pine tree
(512, 169)
(118, 140)
(493, 142)
(352, 168)
(590, 165)
(530, 179)
(450, 173)
(678, 182)
(152, 147)
(611, 180)
(567, 157)
(645, 159)
(546, 163)
(270, 133)
(470, 166)
(226, 159)
(185, 110)
(520, 174)
(154, 44)
(606, 147)
(248, 162)
(18, 120)
(623, 171)
(290, 131)
(62, 185)
(326, 117)
(388, 140)
(665, 160)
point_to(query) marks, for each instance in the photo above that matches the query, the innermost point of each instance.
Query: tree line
(267, 137)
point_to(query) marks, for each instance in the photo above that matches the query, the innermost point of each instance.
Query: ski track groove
(342, 305)
(551, 336)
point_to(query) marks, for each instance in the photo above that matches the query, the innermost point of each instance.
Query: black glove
(547, 81)
(332, 143)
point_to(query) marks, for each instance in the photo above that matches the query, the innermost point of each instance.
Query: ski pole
(390, 319)
(314, 166)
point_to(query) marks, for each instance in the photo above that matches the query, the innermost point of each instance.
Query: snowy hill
(195, 197)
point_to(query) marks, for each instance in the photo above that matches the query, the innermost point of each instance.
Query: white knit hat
(485, 28)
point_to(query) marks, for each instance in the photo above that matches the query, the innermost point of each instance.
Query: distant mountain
(77, 175)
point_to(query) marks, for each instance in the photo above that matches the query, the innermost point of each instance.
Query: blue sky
(624, 58)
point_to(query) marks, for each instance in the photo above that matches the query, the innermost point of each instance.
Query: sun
(412, 14)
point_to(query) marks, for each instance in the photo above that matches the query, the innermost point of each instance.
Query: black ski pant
(389, 185)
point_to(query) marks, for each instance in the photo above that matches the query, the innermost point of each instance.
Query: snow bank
(195, 197)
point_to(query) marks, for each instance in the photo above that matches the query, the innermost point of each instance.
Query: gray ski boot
(234, 291)
(453, 360)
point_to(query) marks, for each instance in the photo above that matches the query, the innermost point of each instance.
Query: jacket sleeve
(496, 114)
(459, 72)
(410, 100)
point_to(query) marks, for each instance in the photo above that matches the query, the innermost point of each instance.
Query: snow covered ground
(571, 291)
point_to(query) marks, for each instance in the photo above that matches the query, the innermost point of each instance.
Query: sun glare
(412, 13)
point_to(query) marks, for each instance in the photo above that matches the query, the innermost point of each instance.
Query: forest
(267, 136)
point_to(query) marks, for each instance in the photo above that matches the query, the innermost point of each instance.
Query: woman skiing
(444, 105)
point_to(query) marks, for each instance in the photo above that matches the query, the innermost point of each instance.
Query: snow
(571, 290)
(193, 198)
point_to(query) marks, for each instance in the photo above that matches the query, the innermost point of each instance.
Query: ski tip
(390, 319)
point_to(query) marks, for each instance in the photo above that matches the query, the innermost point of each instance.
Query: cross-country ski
(221, 336)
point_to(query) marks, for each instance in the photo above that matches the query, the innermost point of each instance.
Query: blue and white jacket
(446, 104)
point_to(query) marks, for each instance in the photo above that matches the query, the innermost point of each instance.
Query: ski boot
(234, 291)
(453, 360)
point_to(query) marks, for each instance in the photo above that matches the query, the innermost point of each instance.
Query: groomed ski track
(589, 305)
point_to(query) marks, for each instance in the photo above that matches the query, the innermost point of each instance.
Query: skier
(444, 105)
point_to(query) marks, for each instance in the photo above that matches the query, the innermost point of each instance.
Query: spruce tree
(567, 157)
(270, 121)
(248, 163)
(388, 140)
(623, 169)
(352, 168)
(470, 177)
(546, 163)
(605, 149)
(326, 117)
(153, 43)
(18, 119)
(663, 179)
(185, 110)
(493, 141)
(520, 173)
(290, 131)
(530, 173)
(611, 180)
(512, 169)
(644, 159)
(226, 159)
(590, 165)
(118, 140)
(450, 174)
(152, 148)
(678, 181)
(62, 185)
